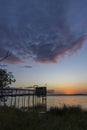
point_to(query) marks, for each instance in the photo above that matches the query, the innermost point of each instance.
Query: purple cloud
(41, 30)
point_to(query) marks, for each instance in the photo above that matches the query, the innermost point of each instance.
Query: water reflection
(59, 101)
(53, 101)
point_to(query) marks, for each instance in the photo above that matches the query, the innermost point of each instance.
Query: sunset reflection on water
(54, 101)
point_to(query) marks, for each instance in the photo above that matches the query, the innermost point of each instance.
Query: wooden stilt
(28, 99)
(19, 99)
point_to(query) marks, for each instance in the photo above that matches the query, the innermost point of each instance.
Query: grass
(66, 118)
(65, 110)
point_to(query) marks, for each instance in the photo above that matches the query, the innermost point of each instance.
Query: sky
(47, 42)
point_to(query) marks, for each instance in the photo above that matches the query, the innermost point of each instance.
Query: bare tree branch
(6, 56)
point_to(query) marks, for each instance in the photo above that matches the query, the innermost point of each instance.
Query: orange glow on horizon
(76, 89)
(69, 91)
(65, 91)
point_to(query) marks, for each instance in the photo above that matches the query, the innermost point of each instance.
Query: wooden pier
(24, 97)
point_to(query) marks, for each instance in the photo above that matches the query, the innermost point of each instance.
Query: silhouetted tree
(6, 79)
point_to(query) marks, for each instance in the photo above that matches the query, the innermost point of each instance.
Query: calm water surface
(53, 101)
(59, 101)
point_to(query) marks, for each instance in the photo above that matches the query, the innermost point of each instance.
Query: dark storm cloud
(40, 30)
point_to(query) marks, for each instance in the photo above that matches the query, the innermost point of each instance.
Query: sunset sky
(47, 40)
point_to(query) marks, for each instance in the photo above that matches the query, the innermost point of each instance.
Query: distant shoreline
(66, 94)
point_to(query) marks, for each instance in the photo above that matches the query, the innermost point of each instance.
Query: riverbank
(66, 118)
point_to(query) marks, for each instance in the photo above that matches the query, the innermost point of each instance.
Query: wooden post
(18, 99)
(28, 99)
(33, 98)
(11, 97)
(15, 98)
(22, 98)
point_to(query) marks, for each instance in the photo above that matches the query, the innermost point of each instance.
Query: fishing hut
(24, 97)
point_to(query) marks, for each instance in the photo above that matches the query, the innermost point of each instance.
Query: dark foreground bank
(66, 118)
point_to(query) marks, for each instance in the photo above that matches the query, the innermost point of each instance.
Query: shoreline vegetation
(65, 118)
